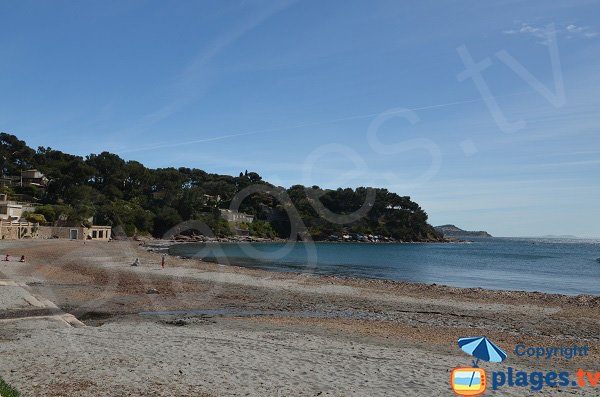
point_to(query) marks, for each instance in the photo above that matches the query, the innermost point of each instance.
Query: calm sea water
(546, 265)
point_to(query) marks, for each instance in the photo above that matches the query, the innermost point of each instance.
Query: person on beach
(136, 262)
(7, 258)
(162, 262)
(22, 258)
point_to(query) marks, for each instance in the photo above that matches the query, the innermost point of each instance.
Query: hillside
(136, 200)
(453, 231)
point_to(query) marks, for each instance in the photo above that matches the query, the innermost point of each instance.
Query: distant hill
(453, 231)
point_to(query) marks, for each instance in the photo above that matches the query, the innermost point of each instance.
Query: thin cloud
(569, 163)
(580, 31)
(172, 144)
(184, 143)
(545, 33)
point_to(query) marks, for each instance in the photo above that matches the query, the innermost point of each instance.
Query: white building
(9, 210)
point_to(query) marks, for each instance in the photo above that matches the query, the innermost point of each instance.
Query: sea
(563, 266)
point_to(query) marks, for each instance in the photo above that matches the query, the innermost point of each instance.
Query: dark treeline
(111, 191)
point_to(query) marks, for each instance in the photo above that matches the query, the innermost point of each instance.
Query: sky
(485, 113)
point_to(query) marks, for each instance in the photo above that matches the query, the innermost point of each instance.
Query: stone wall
(16, 231)
(59, 232)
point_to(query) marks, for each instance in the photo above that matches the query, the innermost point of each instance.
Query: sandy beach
(78, 320)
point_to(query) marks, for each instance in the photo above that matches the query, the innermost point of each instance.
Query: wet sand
(233, 331)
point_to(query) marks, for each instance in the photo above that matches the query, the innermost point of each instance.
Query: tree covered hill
(142, 200)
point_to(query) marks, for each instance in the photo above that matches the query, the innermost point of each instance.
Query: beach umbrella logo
(482, 349)
(471, 381)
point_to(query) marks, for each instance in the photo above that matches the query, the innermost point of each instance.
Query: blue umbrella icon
(482, 349)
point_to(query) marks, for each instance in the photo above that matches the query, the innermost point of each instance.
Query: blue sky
(330, 93)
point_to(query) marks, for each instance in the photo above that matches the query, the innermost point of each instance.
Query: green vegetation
(7, 391)
(35, 218)
(137, 200)
(260, 228)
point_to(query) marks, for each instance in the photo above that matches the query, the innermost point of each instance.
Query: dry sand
(257, 333)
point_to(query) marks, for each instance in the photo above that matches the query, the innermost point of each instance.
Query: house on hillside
(235, 217)
(33, 177)
(159, 195)
(211, 200)
(6, 181)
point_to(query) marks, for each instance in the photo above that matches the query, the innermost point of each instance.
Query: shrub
(7, 391)
(36, 218)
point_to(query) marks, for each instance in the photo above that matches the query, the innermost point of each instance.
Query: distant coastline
(456, 232)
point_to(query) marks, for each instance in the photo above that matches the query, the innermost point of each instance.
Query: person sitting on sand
(7, 258)
(136, 262)
(22, 258)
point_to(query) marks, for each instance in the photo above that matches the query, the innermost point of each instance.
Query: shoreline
(409, 287)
